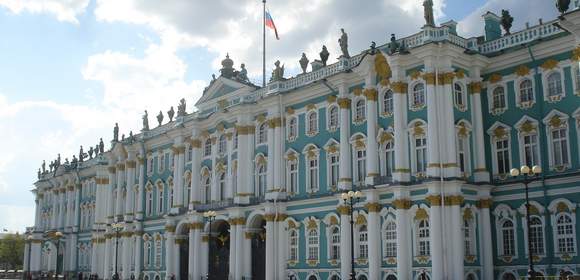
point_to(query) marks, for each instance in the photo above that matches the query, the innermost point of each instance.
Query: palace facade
(427, 127)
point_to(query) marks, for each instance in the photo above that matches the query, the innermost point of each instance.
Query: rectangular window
(508, 242)
(361, 172)
(421, 154)
(502, 153)
(461, 151)
(293, 177)
(313, 174)
(560, 147)
(333, 170)
(531, 150)
(161, 163)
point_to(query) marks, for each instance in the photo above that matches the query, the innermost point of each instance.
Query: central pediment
(223, 88)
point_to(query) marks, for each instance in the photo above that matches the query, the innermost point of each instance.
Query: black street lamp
(57, 235)
(529, 175)
(210, 215)
(350, 198)
(117, 227)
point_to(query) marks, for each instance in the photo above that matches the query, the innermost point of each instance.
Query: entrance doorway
(259, 250)
(219, 251)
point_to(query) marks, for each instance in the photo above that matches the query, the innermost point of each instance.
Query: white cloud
(16, 218)
(522, 11)
(64, 10)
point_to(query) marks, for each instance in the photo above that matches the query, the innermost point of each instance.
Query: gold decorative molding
(382, 68)
(310, 107)
(475, 87)
(195, 143)
(399, 87)
(311, 224)
(402, 203)
(418, 129)
(549, 64)
(446, 78)
(269, 217)
(331, 98)
(344, 103)
(429, 78)
(562, 207)
(433, 200)
(522, 70)
(360, 220)
(494, 78)
(238, 221)
(415, 75)
(499, 132)
(130, 164)
(555, 121)
(111, 169)
(371, 94)
(261, 118)
(290, 111)
(333, 220)
(220, 127)
(120, 167)
(467, 214)
(357, 91)
(484, 203)
(576, 54)
(343, 210)
(170, 228)
(421, 214)
(373, 207)
(454, 200)
(528, 127)
(460, 74)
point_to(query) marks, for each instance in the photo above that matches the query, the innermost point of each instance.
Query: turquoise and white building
(428, 133)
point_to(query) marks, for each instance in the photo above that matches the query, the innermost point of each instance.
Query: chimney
(492, 26)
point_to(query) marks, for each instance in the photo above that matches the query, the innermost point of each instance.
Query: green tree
(12, 251)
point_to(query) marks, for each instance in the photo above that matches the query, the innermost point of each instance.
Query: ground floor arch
(256, 232)
(219, 250)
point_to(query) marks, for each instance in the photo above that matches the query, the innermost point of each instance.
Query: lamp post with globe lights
(210, 216)
(57, 236)
(529, 175)
(117, 227)
(350, 199)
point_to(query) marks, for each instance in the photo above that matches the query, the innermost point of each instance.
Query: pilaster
(345, 164)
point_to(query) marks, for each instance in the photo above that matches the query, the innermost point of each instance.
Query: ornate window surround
(292, 135)
(292, 157)
(461, 83)
(417, 128)
(331, 149)
(517, 88)
(527, 126)
(463, 132)
(499, 131)
(557, 120)
(329, 126)
(502, 213)
(545, 73)
(557, 208)
(356, 119)
(537, 210)
(417, 107)
(384, 112)
(311, 153)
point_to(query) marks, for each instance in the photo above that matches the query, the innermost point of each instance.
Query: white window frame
(295, 247)
(494, 150)
(387, 243)
(522, 141)
(148, 251)
(292, 188)
(419, 240)
(292, 132)
(222, 144)
(359, 165)
(465, 142)
(412, 92)
(557, 236)
(500, 237)
(311, 131)
(261, 178)
(312, 244)
(262, 133)
(312, 167)
(518, 89)
(150, 166)
(546, 85)
(413, 137)
(207, 147)
(161, 162)
(362, 242)
(158, 251)
(160, 198)
(222, 186)
(329, 125)
(543, 236)
(463, 98)
(387, 147)
(333, 245)
(329, 166)
(491, 103)
(549, 129)
(359, 114)
(149, 202)
(469, 231)
(385, 110)
(206, 189)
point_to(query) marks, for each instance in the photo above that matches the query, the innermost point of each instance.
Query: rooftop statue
(101, 146)
(160, 118)
(131, 137)
(324, 55)
(96, 149)
(170, 114)
(227, 67)
(43, 166)
(428, 10)
(242, 75)
(116, 132)
(145, 121)
(506, 21)
(122, 137)
(373, 47)
(74, 160)
(393, 45)
(278, 72)
(181, 108)
(66, 162)
(81, 154)
(304, 63)
(343, 42)
(58, 160)
(562, 5)
(38, 175)
(91, 150)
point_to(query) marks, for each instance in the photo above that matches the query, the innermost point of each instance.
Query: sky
(70, 69)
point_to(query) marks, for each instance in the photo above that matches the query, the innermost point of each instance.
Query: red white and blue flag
(270, 23)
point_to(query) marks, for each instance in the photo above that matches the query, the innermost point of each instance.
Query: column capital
(344, 103)
(343, 210)
(454, 200)
(399, 87)
(374, 207)
(111, 169)
(485, 203)
(371, 94)
(402, 203)
(434, 200)
(475, 87)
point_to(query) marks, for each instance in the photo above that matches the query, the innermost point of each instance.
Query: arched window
(468, 238)
(235, 139)
(459, 96)
(147, 253)
(312, 185)
(499, 101)
(222, 186)
(360, 160)
(555, 84)
(390, 240)
(160, 199)
(170, 196)
(222, 144)
(388, 103)
(335, 243)
(565, 234)
(261, 180)
(470, 276)
(391, 277)
(526, 91)
(207, 148)
(536, 236)
(262, 133)
(312, 277)
(333, 169)
(362, 277)
(312, 121)
(360, 110)
(335, 277)
(502, 156)
(292, 128)
(508, 238)
(149, 203)
(418, 96)
(333, 117)
(423, 239)
(363, 242)
(158, 251)
(293, 249)
(161, 163)
(313, 244)
(234, 177)
(530, 149)
(207, 189)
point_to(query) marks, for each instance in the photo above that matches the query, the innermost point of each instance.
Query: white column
(107, 259)
(94, 249)
(271, 159)
(72, 245)
(141, 192)
(230, 193)
(61, 205)
(77, 207)
(456, 260)
(37, 210)
(214, 175)
(436, 238)
(233, 238)
(120, 184)
(403, 238)
(191, 257)
(169, 253)
(433, 126)
(270, 243)
(345, 250)
(195, 169)
(25, 264)
(54, 224)
(345, 169)
(35, 252)
(204, 254)
(401, 173)
(138, 241)
(198, 250)
(480, 171)
(486, 240)
(374, 240)
(372, 151)
(130, 200)
(126, 253)
(181, 191)
(282, 249)
(239, 270)
(69, 208)
(110, 201)
(279, 173)
(247, 245)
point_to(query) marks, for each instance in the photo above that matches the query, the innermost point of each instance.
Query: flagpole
(264, 45)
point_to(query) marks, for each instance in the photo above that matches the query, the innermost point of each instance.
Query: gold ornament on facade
(292, 224)
(222, 104)
(343, 210)
(310, 107)
(402, 203)
(528, 127)
(522, 70)
(576, 54)
(494, 78)
(332, 149)
(499, 132)
(382, 67)
(204, 133)
(195, 143)
(360, 220)
(446, 78)
(373, 207)
(261, 118)
(418, 129)
(549, 64)
(111, 169)
(333, 220)
(467, 214)
(291, 157)
(169, 228)
(429, 78)
(414, 74)
(460, 74)
(433, 200)
(370, 94)
(421, 214)
(485, 203)
(331, 98)
(562, 207)
(454, 200)
(475, 87)
(261, 160)
(555, 121)
(385, 137)
(220, 127)
(399, 87)
(462, 131)
(344, 103)
(359, 144)
(290, 111)
(357, 91)
(269, 217)
(311, 224)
